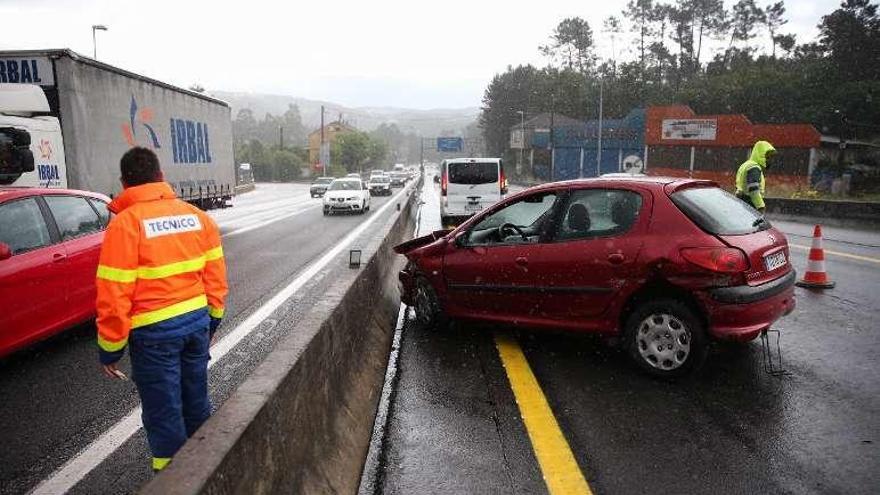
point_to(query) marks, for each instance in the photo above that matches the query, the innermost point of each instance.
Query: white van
(468, 186)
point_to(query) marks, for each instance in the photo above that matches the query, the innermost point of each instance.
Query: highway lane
(55, 400)
(454, 425)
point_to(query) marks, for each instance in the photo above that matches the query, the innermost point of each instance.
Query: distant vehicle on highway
(377, 172)
(398, 179)
(353, 175)
(50, 241)
(380, 185)
(468, 186)
(662, 264)
(319, 186)
(347, 195)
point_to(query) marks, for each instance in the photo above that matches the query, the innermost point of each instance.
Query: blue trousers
(171, 376)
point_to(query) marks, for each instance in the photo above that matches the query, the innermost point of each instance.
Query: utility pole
(552, 137)
(599, 139)
(522, 136)
(321, 149)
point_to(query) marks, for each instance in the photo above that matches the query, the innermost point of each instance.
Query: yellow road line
(561, 472)
(842, 255)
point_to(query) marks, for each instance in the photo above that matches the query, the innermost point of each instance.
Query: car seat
(578, 218)
(623, 212)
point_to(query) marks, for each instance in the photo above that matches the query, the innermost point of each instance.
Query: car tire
(326, 213)
(428, 310)
(665, 338)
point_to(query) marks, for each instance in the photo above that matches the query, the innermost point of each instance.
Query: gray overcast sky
(359, 53)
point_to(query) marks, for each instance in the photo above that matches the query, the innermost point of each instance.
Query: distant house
(331, 130)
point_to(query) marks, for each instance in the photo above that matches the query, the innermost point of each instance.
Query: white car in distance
(346, 195)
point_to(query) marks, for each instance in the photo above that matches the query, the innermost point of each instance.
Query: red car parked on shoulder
(50, 241)
(665, 264)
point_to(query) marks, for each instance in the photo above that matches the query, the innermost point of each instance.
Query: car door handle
(522, 261)
(616, 258)
(58, 257)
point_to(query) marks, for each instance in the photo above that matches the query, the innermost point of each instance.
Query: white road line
(271, 220)
(76, 468)
(243, 214)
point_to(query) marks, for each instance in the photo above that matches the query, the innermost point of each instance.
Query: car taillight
(722, 260)
(444, 182)
(503, 182)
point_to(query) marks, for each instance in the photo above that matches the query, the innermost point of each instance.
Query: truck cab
(31, 146)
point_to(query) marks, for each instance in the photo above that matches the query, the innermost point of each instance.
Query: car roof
(9, 192)
(650, 181)
(450, 161)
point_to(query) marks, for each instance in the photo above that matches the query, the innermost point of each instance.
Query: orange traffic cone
(816, 277)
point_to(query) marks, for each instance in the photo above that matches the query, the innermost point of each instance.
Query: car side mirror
(5, 251)
(460, 239)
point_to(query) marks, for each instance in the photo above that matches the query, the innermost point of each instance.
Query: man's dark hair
(139, 166)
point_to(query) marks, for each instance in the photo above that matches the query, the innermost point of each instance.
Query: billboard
(690, 129)
(517, 139)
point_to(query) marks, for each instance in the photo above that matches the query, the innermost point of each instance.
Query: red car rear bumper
(741, 313)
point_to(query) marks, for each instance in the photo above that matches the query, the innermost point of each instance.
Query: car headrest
(623, 212)
(578, 218)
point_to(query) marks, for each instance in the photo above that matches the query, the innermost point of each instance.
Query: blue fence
(576, 147)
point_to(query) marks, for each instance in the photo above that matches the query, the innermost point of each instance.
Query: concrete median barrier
(301, 423)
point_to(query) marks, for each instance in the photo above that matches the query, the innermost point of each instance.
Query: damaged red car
(663, 264)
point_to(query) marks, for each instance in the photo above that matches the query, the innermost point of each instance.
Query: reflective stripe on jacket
(750, 175)
(161, 268)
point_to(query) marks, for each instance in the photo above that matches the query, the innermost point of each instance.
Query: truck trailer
(66, 120)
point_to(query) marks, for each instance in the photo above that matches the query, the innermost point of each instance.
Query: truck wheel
(666, 338)
(427, 305)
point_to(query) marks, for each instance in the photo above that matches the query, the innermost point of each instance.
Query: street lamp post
(599, 138)
(96, 27)
(522, 137)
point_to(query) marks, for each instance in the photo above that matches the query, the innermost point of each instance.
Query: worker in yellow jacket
(161, 288)
(750, 183)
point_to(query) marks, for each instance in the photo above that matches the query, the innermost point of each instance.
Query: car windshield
(718, 212)
(473, 173)
(345, 185)
(380, 180)
(324, 180)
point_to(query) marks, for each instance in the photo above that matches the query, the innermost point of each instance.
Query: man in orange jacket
(161, 288)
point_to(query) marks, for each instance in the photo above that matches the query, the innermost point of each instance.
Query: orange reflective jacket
(161, 268)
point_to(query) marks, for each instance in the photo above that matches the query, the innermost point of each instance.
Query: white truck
(66, 120)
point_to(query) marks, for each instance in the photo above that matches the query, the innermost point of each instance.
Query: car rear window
(718, 212)
(473, 173)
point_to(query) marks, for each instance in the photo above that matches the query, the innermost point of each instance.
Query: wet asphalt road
(54, 399)
(454, 426)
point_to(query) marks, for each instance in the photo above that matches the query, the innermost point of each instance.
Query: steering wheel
(516, 230)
